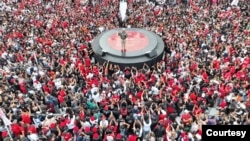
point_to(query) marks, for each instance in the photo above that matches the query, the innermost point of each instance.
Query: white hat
(198, 136)
(203, 95)
(242, 105)
(20, 95)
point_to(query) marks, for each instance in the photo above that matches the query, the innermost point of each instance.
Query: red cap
(45, 130)
(94, 129)
(162, 116)
(118, 136)
(67, 136)
(96, 136)
(52, 125)
(204, 89)
(92, 118)
(106, 107)
(183, 134)
(87, 129)
(75, 129)
(4, 134)
(104, 79)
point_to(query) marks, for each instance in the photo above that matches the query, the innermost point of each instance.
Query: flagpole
(6, 122)
(9, 132)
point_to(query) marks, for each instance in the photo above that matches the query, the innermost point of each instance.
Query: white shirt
(163, 112)
(28, 70)
(37, 85)
(33, 137)
(58, 83)
(86, 124)
(37, 122)
(146, 126)
(42, 73)
(140, 133)
(110, 138)
(94, 89)
(97, 97)
(105, 85)
(4, 55)
(155, 90)
(194, 127)
(90, 75)
(104, 123)
(71, 125)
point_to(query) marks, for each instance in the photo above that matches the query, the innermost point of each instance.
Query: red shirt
(32, 129)
(186, 116)
(51, 83)
(15, 129)
(116, 97)
(95, 71)
(165, 123)
(26, 118)
(132, 138)
(170, 109)
(23, 88)
(205, 76)
(192, 96)
(62, 92)
(139, 94)
(223, 104)
(65, 24)
(63, 123)
(63, 62)
(133, 99)
(216, 64)
(193, 67)
(46, 89)
(87, 62)
(197, 111)
(81, 115)
(21, 129)
(60, 98)
(66, 136)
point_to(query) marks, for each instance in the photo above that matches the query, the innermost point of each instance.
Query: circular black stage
(142, 46)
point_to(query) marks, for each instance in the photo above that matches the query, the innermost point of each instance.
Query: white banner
(123, 9)
(6, 121)
(235, 3)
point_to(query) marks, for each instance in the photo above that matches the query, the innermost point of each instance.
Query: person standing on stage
(123, 35)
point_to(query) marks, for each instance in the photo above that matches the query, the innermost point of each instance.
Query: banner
(6, 121)
(224, 132)
(234, 3)
(123, 9)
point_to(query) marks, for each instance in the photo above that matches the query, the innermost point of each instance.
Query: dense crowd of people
(51, 89)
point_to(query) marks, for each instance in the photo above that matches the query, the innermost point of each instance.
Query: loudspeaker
(151, 53)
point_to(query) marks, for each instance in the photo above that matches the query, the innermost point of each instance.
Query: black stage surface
(142, 46)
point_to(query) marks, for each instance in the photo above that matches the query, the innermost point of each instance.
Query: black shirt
(159, 131)
(123, 35)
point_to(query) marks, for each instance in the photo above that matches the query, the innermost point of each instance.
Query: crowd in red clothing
(51, 89)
